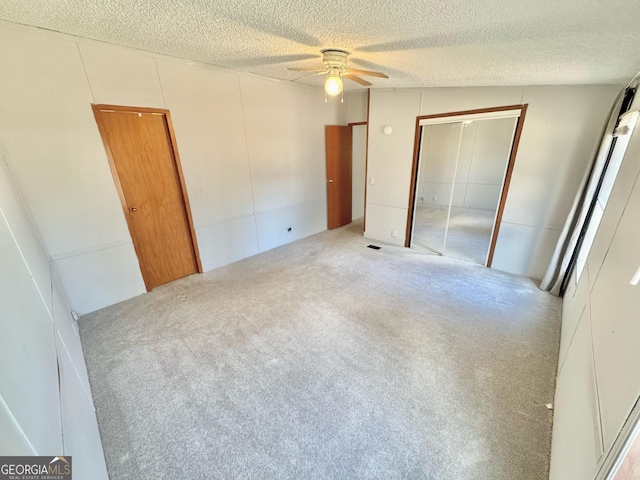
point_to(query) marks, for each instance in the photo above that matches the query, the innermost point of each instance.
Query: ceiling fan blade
(293, 69)
(367, 72)
(312, 75)
(359, 80)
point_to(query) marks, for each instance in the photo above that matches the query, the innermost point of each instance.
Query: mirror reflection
(461, 174)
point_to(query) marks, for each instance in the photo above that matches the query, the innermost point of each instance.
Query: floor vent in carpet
(375, 247)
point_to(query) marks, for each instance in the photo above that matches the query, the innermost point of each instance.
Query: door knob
(329, 181)
(133, 209)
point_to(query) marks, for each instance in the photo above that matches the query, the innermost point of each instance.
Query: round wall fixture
(387, 130)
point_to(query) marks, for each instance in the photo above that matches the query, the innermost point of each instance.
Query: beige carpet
(469, 233)
(324, 359)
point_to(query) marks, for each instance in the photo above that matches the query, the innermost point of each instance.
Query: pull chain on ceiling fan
(335, 68)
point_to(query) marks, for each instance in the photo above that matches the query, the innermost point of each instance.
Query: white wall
(39, 336)
(359, 167)
(252, 151)
(560, 135)
(599, 369)
(356, 111)
(357, 104)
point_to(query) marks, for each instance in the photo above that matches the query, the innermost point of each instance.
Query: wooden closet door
(147, 173)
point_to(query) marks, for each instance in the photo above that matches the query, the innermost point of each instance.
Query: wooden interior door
(339, 188)
(141, 148)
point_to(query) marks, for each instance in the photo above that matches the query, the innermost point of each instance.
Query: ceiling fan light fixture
(333, 85)
(335, 67)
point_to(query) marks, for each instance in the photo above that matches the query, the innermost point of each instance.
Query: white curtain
(569, 241)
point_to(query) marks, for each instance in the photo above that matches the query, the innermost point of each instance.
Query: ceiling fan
(335, 67)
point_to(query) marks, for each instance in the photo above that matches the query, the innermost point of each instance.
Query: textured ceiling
(416, 42)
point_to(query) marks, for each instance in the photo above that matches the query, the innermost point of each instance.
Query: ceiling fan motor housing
(335, 58)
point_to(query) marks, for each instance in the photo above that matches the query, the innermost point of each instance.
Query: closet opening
(462, 167)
